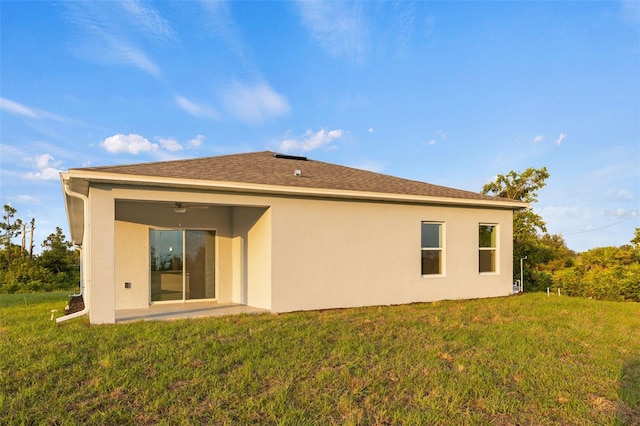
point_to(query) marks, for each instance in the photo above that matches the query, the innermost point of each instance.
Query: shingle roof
(268, 168)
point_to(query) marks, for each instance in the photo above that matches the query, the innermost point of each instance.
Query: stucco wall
(132, 265)
(252, 256)
(342, 254)
(287, 254)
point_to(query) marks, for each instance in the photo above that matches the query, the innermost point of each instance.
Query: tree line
(57, 267)
(607, 273)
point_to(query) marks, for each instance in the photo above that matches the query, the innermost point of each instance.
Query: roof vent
(290, 157)
(297, 173)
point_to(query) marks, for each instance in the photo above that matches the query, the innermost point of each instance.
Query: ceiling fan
(182, 207)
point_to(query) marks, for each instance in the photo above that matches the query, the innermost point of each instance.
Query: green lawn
(519, 360)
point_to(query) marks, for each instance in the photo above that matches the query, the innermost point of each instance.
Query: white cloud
(19, 109)
(135, 144)
(221, 24)
(560, 212)
(561, 138)
(253, 103)
(338, 27)
(538, 138)
(107, 34)
(311, 140)
(440, 135)
(170, 144)
(46, 168)
(147, 20)
(196, 109)
(197, 141)
(131, 144)
(370, 130)
(123, 52)
(400, 30)
(622, 213)
(622, 194)
(27, 199)
(16, 108)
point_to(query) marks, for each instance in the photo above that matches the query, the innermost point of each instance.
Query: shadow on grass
(629, 413)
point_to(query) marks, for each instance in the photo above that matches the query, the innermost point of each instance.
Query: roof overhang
(74, 205)
(79, 180)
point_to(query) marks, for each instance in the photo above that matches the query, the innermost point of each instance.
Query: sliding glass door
(182, 264)
(199, 266)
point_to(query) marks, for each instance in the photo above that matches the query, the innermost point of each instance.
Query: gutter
(84, 264)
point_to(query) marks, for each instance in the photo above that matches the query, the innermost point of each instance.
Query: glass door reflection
(182, 265)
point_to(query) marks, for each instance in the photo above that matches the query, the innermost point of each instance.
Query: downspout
(84, 264)
(79, 248)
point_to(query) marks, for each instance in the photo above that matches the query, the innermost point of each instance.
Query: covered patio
(173, 311)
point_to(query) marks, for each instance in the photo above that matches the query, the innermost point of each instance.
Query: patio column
(101, 256)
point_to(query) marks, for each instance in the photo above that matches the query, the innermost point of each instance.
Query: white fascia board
(75, 221)
(256, 188)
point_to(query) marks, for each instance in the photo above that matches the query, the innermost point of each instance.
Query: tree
(56, 268)
(635, 241)
(528, 226)
(636, 238)
(57, 256)
(10, 229)
(518, 186)
(33, 229)
(521, 187)
(554, 253)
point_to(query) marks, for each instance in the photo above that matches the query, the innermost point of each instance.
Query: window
(488, 251)
(432, 249)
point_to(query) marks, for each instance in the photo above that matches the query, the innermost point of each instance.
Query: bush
(24, 275)
(618, 283)
(631, 283)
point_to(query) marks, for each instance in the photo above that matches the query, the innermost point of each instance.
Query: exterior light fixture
(179, 208)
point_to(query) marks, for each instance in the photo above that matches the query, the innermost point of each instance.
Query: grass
(519, 360)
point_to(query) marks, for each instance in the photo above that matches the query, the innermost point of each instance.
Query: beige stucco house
(282, 233)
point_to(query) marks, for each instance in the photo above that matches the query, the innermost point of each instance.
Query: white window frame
(495, 249)
(442, 248)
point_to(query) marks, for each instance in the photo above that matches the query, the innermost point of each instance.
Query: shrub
(539, 280)
(619, 282)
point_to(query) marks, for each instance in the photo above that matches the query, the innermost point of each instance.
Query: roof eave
(255, 188)
(72, 205)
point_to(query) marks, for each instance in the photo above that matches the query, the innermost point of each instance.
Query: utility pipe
(522, 273)
(84, 264)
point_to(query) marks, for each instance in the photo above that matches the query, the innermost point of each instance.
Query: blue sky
(451, 93)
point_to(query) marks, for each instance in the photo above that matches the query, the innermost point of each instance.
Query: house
(282, 233)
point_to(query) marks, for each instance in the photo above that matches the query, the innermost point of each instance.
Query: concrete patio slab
(173, 311)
